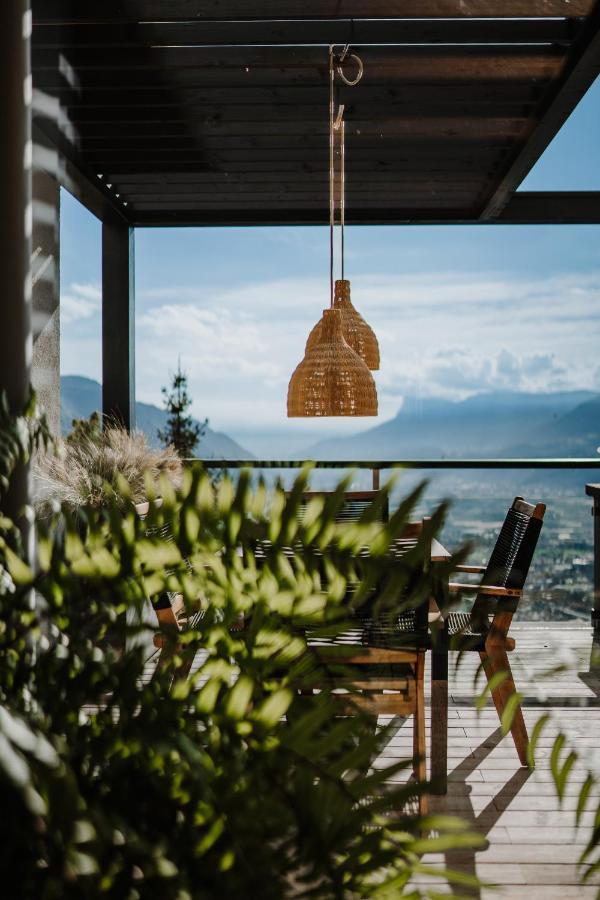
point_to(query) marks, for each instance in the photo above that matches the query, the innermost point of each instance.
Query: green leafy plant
(120, 781)
(20, 436)
(181, 431)
(85, 428)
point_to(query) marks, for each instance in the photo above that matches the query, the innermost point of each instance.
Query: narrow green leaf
(513, 704)
(535, 736)
(19, 571)
(590, 871)
(495, 681)
(239, 698)
(584, 796)
(555, 756)
(274, 707)
(563, 775)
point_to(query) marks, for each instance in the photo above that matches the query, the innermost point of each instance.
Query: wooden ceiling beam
(219, 156)
(160, 187)
(259, 214)
(307, 32)
(224, 88)
(255, 201)
(118, 11)
(358, 131)
(317, 197)
(427, 63)
(226, 99)
(229, 160)
(261, 106)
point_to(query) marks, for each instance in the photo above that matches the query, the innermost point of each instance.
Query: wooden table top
(399, 547)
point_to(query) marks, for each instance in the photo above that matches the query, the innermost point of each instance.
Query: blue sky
(457, 309)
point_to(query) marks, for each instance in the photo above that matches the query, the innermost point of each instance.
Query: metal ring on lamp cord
(345, 55)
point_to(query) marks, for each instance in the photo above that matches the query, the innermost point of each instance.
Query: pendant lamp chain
(358, 333)
(333, 378)
(331, 171)
(337, 125)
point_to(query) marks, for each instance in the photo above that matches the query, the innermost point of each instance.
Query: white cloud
(213, 342)
(79, 302)
(456, 373)
(448, 334)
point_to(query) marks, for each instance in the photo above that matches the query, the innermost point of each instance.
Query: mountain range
(80, 397)
(502, 424)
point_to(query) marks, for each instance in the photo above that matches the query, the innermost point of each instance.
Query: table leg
(439, 721)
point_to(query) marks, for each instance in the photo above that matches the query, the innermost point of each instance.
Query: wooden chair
(485, 628)
(383, 658)
(387, 656)
(355, 504)
(169, 608)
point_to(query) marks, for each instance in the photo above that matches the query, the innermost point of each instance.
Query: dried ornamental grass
(357, 333)
(77, 474)
(331, 380)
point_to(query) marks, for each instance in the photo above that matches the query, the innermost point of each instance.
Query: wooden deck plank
(533, 847)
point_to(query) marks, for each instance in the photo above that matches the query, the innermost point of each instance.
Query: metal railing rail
(592, 462)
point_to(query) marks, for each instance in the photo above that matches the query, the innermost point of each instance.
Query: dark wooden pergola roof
(187, 112)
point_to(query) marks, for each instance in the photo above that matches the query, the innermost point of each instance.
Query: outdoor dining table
(438, 752)
(439, 654)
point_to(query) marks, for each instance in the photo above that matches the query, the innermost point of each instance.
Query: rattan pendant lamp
(333, 379)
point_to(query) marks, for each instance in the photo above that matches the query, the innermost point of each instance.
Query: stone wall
(46, 295)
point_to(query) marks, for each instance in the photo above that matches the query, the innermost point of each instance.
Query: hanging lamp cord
(331, 170)
(337, 126)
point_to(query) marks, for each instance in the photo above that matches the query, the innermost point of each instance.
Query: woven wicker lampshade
(331, 380)
(357, 333)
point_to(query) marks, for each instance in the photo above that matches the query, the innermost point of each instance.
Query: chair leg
(187, 660)
(439, 720)
(419, 742)
(497, 662)
(169, 629)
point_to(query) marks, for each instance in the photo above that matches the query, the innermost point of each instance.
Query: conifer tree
(181, 430)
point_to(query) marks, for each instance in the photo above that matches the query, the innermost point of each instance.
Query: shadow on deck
(533, 845)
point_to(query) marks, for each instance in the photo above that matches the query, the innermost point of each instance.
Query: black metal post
(593, 490)
(15, 229)
(118, 322)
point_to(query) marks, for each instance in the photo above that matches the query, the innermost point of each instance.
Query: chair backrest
(354, 505)
(513, 552)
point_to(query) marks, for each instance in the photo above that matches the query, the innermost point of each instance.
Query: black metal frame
(378, 465)
(593, 490)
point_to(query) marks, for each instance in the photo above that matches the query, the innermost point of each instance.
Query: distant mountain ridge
(500, 424)
(80, 397)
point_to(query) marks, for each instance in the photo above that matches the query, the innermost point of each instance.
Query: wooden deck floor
(533, 846)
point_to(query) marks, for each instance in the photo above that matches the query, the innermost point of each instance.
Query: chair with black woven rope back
(382, 659)
(169, 608)
(484, 629)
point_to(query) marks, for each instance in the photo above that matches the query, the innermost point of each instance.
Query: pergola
(214, 112)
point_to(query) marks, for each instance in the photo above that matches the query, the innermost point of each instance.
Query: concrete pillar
(15, 228)
(45, 295)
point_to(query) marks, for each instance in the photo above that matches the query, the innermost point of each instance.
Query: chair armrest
(492, 590)
(474, 570)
